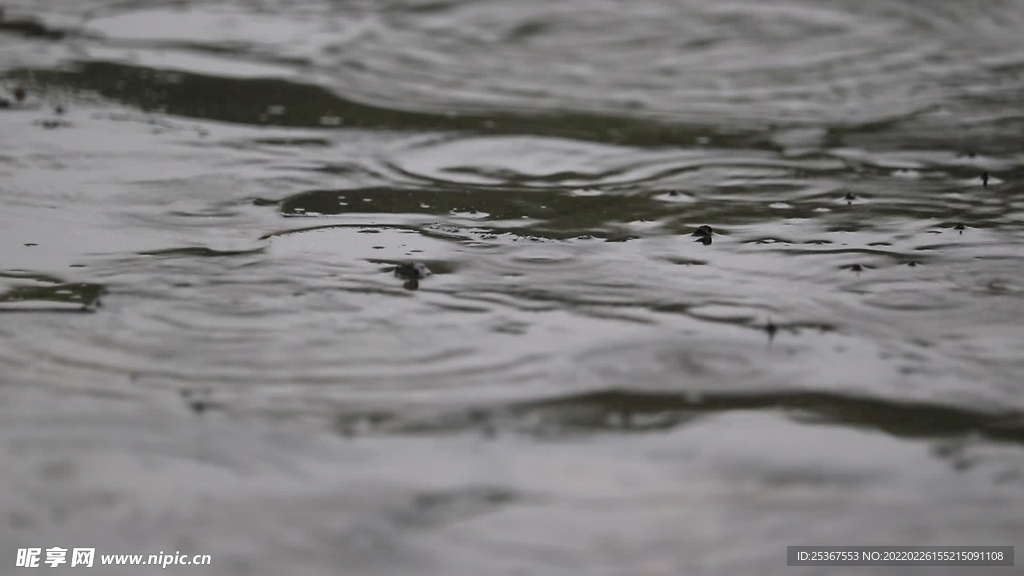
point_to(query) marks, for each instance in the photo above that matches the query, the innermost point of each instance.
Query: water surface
(204, 347)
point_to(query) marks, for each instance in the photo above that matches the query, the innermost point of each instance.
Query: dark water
(204, 348)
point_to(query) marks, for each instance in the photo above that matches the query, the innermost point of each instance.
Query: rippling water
(204, 347)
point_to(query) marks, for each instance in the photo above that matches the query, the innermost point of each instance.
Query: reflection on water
(82, 296)
(459, 287)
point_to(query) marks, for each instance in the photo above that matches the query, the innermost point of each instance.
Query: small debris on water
(960, 226)
(52, 123)
(703, 234)
(198, 400)
(856, 268)
(984, 179)
(412, 273)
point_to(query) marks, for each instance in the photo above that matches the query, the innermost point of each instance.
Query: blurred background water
(204, 348)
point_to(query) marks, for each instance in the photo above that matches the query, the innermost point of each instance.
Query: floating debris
(412, 273)
(412, 270)
(771, 329)
(850, 198)
(198, 400)
(960, 226)
(856, 268)
(52, 123)
(912, 263)
(703, 231)
(20, 94)
(984, 179)
(674, 196)
(703, 234)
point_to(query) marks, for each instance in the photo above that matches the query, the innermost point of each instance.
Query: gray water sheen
(204, 347)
